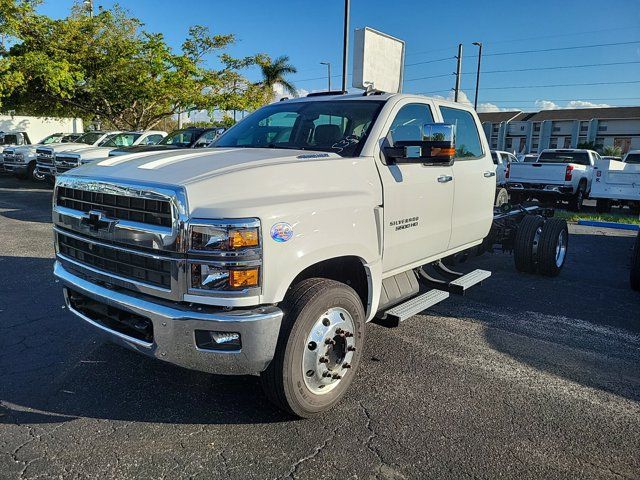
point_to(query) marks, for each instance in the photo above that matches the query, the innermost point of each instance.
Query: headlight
(224, 236)
(224, 256)
(208, 277)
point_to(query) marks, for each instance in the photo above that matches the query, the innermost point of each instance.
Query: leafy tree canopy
(108, 66)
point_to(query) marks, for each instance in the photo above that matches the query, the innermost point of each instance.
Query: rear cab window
(468, 144)
(579, 158)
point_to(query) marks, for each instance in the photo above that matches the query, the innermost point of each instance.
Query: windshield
(633, 158)
(327, 126)
(121, 140)
(51, 139)
(9, 140)
(181, 138)
(89, 138)
(70, 138)
(581, 158)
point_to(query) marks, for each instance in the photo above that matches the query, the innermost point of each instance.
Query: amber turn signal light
(244, 278)
(246, 237)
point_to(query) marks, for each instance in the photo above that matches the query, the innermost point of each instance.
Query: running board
(460, 285)
(409, 308)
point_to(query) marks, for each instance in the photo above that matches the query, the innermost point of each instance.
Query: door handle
(445, 178)
(489, 174)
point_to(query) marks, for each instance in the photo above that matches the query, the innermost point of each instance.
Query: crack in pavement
(296, 466)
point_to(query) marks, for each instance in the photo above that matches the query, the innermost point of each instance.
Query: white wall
(39, 127)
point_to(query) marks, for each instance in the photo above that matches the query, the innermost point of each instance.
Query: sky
(310, 32)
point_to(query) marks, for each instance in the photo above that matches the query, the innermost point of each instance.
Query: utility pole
(458, 72)
(328, 64)
(345, 44)
(479, 45)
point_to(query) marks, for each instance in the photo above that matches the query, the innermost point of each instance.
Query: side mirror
(435, 147)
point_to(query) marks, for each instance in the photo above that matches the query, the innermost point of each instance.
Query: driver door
(418, 199)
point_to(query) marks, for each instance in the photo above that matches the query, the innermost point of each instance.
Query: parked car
(68, 159)
(556, 175)
(267, 253)
(617, 183)
(45, 156)
(609, 157)
(192, 137)
(501, 160)
(21, 160)
(632, 157)
(13, 139)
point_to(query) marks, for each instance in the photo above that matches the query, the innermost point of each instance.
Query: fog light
(224, 341)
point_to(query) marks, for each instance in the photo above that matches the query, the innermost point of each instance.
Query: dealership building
(532, 132)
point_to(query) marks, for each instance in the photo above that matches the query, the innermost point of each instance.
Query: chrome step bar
(408, 309)
(460, 285)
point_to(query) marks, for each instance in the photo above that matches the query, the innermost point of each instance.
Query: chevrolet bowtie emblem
(96, 220)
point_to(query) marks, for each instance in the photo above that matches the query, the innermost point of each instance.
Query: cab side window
(467, 139)
(409, 122)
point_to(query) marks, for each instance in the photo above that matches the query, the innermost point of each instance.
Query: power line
(532, 69)
(430, 61)
(564, 100)
(576, 47)
(512, 87)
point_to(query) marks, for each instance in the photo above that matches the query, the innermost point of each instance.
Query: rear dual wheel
(541, 246)
(319, 347)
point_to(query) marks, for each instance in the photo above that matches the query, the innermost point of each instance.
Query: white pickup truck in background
(557, 175)
(617, 183)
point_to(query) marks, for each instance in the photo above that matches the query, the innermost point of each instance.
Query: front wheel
(319, 347)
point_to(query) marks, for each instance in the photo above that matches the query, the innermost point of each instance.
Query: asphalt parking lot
(525, 377)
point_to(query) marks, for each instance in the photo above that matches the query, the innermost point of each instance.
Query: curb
(619, 226)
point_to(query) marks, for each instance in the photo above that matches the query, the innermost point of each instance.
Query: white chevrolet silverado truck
(45, 156)
(269, 252)
(556, 175)
(21, 160)
(617, 183)
(67, 159)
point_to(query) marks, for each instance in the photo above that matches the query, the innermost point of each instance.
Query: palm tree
(274, 72)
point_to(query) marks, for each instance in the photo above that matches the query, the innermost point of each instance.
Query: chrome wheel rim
(329, 351)
(561, 248)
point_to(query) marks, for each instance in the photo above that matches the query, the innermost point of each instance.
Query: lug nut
(326, 374)
(330, 341)
(351, 348)
(324, 360)
(348, 334)
(346, 365)
(339, 331)
(335, 376)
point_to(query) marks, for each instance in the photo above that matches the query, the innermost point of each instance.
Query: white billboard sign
(378, 61)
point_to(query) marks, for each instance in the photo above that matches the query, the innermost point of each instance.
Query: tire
(577, 200)
(603, 205)
(634, 277)
(50, 180)
(523, 251)
(308, 304)
(552, 247)
(36, 177)
(502, 197)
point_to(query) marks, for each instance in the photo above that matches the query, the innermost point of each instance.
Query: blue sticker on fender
(281, 232)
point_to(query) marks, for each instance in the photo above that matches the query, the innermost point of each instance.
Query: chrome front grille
(145, 268)
(66, 162)
(135, 209)
(44, 156)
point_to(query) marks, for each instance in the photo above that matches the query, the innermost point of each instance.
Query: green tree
(109, 66)
(274, 73)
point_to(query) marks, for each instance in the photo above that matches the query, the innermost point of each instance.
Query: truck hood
(188, 166)
(67, 147)
(93, 153)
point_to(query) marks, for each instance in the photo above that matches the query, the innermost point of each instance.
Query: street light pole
(328, 64)
(89, 5)
(479, 45)
(345, 44)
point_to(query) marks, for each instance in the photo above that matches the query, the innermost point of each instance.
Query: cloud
(280, 93)
(482, 107)
(549, 105)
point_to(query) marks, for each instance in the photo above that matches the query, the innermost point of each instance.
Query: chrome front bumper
(174, 327)
(15, 168)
